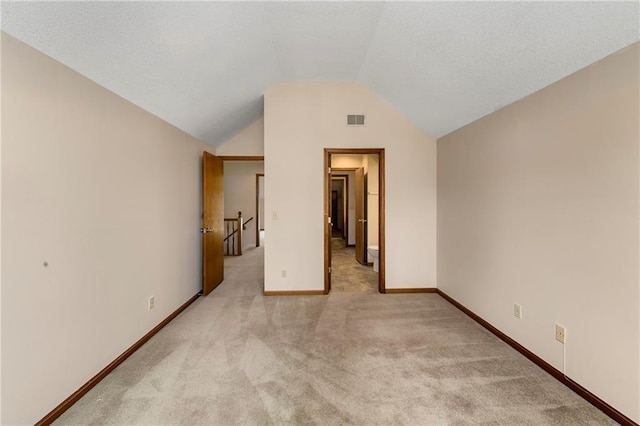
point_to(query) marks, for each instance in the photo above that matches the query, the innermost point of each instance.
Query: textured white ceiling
(204, 66)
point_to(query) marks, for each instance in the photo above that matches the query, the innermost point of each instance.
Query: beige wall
(302, 118)
(240, 195)
(538, 205)
(1, 275)
(373, 197)
(109, 196)
(261, 201)
(248, 142)
(346, 161)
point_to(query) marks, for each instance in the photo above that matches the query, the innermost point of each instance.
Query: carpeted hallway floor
(238, 358)
(347, 274)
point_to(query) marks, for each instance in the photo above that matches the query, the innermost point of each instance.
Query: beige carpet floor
(347, 274)
(238, 358)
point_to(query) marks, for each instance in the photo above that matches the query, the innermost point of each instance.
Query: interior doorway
(241, 221)
(339, 202)
(242, 175)
(354, 219)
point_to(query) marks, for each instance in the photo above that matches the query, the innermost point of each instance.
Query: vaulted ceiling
(204, 66)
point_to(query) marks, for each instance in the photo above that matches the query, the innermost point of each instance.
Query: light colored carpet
(347, 274)
(238, 358)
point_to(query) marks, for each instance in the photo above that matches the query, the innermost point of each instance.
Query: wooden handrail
(244, 225)
(230, 235)
(236, 226)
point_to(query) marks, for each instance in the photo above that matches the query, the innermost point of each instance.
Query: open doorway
(240, 212)
(354, 224)
(339, 202)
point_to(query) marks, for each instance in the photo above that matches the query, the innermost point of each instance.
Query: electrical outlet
(152, 303)
(275, 215)
(284, 273)
(561, 333)
(517, 311)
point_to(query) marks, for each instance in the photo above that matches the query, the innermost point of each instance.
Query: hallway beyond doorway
(348, 274)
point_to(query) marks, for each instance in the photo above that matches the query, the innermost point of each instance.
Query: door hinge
(329, 170)
(329, 220)
(329, 269)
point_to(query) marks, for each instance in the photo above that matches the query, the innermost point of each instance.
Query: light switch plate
(561, 334)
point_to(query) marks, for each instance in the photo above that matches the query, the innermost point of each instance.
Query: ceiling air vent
(355, 120)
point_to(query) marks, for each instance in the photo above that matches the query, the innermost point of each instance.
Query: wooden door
(345, 209)
(212, 222)
(335, 218)
(332, 220)
(361, 221)
(327, 222)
